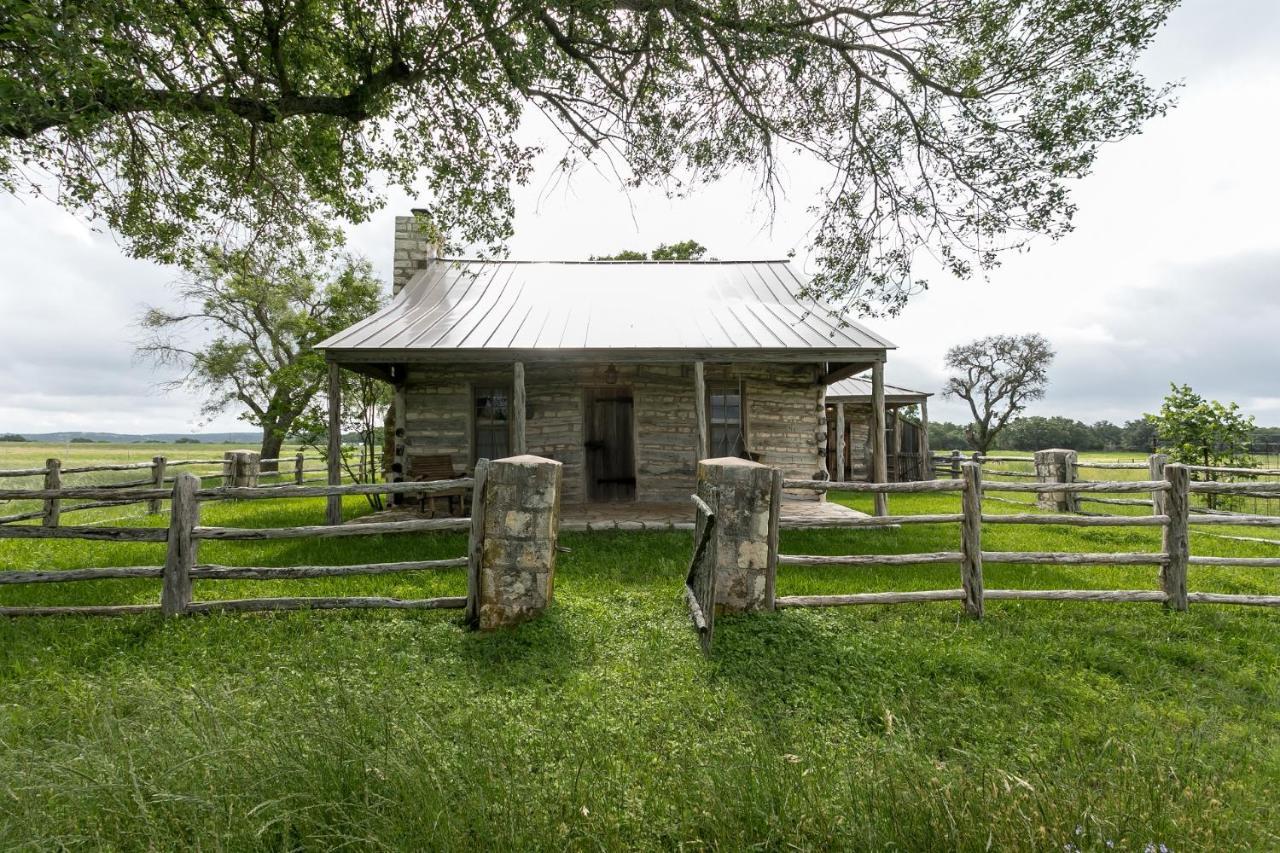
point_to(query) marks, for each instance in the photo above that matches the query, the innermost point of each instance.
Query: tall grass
(600, 726)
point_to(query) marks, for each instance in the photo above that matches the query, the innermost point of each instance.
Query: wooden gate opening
(610, 444)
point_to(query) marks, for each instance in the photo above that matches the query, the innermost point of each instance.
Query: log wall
(785, 419)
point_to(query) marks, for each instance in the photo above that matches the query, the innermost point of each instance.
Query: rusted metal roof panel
(603, 305)
(858, 389)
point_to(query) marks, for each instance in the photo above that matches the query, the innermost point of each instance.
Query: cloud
(1170, 274)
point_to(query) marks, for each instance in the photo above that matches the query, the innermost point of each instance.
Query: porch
(646, 515)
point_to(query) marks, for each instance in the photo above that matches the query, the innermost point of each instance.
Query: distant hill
(249, 439)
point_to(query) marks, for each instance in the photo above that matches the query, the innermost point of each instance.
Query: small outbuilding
(626, 372)
(850, 445)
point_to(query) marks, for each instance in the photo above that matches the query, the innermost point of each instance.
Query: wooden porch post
(519, 445)
(926, 458)
(840, 473)
(897, 444)
(333, 510)
(700, 410)
(879, 464)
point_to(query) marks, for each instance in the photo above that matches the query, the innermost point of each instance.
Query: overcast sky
(1172, 272)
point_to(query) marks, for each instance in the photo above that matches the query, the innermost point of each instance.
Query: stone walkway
(650, 516)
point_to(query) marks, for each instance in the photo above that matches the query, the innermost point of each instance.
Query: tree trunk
(272, 441)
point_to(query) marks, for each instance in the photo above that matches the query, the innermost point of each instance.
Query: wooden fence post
(475, 544)
(333, 506)
(775, 525)
(228, 469)
(840, 427)
(184, 515)
(299, 464)
(52, 480)
(971, 540)
(1155, 471)
(252, 468)
(158, 465)
(1176, 539)
(955, 464)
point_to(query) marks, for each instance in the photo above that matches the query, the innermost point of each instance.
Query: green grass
(601, 726)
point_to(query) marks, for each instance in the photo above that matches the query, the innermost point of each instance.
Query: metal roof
(859, 388)
(489, 307)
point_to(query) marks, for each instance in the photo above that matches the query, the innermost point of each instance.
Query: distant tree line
(1037, 433)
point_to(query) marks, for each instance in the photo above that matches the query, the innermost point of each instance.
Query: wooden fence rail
(236, 468)
(183, 536)
(1172, 493)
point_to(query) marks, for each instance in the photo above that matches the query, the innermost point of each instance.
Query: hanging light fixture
(611, 375)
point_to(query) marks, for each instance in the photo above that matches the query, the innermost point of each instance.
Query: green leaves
(1197, 431)
(952, 126)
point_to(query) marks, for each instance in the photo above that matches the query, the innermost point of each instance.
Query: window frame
(477, 424)
(726, 388)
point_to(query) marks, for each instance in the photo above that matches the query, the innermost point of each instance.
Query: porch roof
(858, 390)
(457, 309)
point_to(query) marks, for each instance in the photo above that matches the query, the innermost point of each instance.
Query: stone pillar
(740, 492)
(1056, 466)
(521, 523)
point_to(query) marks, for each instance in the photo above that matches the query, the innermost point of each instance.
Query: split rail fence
(235, 469)
(1171, 495)
(1066, 466)
(185, 533)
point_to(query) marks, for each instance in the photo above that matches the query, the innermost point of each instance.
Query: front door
(610, 444)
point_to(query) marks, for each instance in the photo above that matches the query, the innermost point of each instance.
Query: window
(492, 433)
(725, 413)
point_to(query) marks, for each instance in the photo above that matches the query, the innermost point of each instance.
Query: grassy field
(1046, 726)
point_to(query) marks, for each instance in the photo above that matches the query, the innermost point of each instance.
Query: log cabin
(850, 449)
(627, 372)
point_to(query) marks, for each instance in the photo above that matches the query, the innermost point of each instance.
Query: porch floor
(633, 515)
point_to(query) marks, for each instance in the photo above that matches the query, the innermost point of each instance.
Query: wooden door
(610, 444)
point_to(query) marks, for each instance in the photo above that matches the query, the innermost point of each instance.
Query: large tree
(245, 331)
(997, 376)
(951, 125)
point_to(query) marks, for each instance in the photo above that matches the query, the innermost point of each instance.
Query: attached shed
(626, 372)
(850, 445)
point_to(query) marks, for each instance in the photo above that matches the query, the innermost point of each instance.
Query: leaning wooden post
(840, 472)
(333, 508)
(158, 465)
(1176, 538)
(52, 480)
(180, 558)
(1155, 471)
(775, 526)
(475, 545)
(926, 457)
(971, 539)
(700, 411)
(299, 468)
(879, 464)
(229, 468)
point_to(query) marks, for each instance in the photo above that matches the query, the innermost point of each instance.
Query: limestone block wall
(785, 418)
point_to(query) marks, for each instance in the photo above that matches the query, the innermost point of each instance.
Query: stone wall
(785, 420)
(413, 250)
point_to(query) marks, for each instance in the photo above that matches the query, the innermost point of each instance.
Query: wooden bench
(426, 469)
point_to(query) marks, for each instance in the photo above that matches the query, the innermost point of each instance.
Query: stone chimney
(414, 248)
